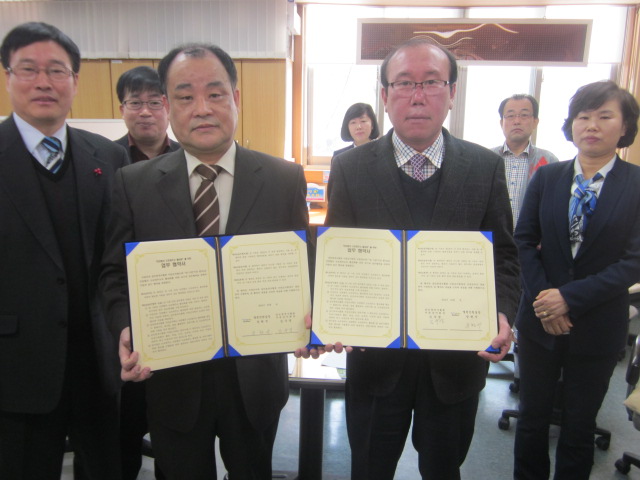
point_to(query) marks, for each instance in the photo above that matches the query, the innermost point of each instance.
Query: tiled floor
(490, 456)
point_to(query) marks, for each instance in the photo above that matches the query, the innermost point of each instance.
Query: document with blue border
(198, 299)
(404, 289)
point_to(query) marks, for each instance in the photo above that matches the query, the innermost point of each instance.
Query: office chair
(623, 465)
(602, 436)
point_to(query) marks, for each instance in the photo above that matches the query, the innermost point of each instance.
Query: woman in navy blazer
(578, 259)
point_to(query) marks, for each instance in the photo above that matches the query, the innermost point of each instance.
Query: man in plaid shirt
(518, 119)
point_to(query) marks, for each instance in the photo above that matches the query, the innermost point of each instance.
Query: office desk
(313, 380)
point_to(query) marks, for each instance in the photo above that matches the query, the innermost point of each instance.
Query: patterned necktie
(54, 147)
(206, 209)
(581, 207)
(417, 162)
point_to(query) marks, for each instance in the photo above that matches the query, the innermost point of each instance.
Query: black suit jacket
(344, 149)
(33, 295)
(124, 141)
(594, 284)
(366, 192)
(152, 202)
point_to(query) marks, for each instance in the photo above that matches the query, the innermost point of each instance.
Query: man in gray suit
(420, 177)
(238, 400)
(58, 362)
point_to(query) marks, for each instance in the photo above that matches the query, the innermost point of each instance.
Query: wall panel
(95, 95)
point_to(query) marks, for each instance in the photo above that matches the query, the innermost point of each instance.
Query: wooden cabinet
(5, 104)
(266, 113)
(238, 135)
(95, 95)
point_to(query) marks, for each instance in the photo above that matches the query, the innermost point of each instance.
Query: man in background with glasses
(420, 177)
(145, 113)
(58, 363)
(519, 119)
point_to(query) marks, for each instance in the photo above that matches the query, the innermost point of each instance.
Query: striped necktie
(55, 158)
(206, 208)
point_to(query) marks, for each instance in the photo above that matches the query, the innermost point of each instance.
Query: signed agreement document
(198, 299)
(404, 289)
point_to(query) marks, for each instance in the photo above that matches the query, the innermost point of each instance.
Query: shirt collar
(32, 137)
(577, 168)
(227, 161)
(137, 154)
(403, 152)
(527, 150)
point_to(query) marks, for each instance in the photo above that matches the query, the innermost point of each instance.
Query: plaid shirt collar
(506, 149)
(403, 152)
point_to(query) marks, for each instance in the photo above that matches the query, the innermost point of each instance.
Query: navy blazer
(151, 201)
(33, 290)
(595, 284)
(367, 192)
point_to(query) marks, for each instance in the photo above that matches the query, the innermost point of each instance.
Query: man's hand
(502, 341)
(316, 352)
(130, 371)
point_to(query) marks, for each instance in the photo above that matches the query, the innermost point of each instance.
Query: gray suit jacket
(367, 192)
(152, 202)
(33, 291)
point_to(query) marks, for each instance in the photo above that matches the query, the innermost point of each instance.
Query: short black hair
(197, 50)
(138, 80)
(354, 111)
(593, 96)
(33, 32)
(520, 96)
(415, 42)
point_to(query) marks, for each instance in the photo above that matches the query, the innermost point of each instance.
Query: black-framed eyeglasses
(137, 104)
(429, 87)
(521, 116)
(56, 73)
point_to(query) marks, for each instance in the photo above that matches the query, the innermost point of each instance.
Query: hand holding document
(197, 299)
(404, 289)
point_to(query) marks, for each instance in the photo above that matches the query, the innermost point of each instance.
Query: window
(334, 81)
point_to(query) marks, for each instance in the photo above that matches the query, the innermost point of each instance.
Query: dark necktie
(417, 162)
(54, 147)
(206, 208)
(581, 207)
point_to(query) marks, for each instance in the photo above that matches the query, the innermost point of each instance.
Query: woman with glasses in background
(359, 126)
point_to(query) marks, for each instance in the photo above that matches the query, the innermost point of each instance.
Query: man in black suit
(58, 362)
(145, 114)
(238, 400)
(420, 177)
